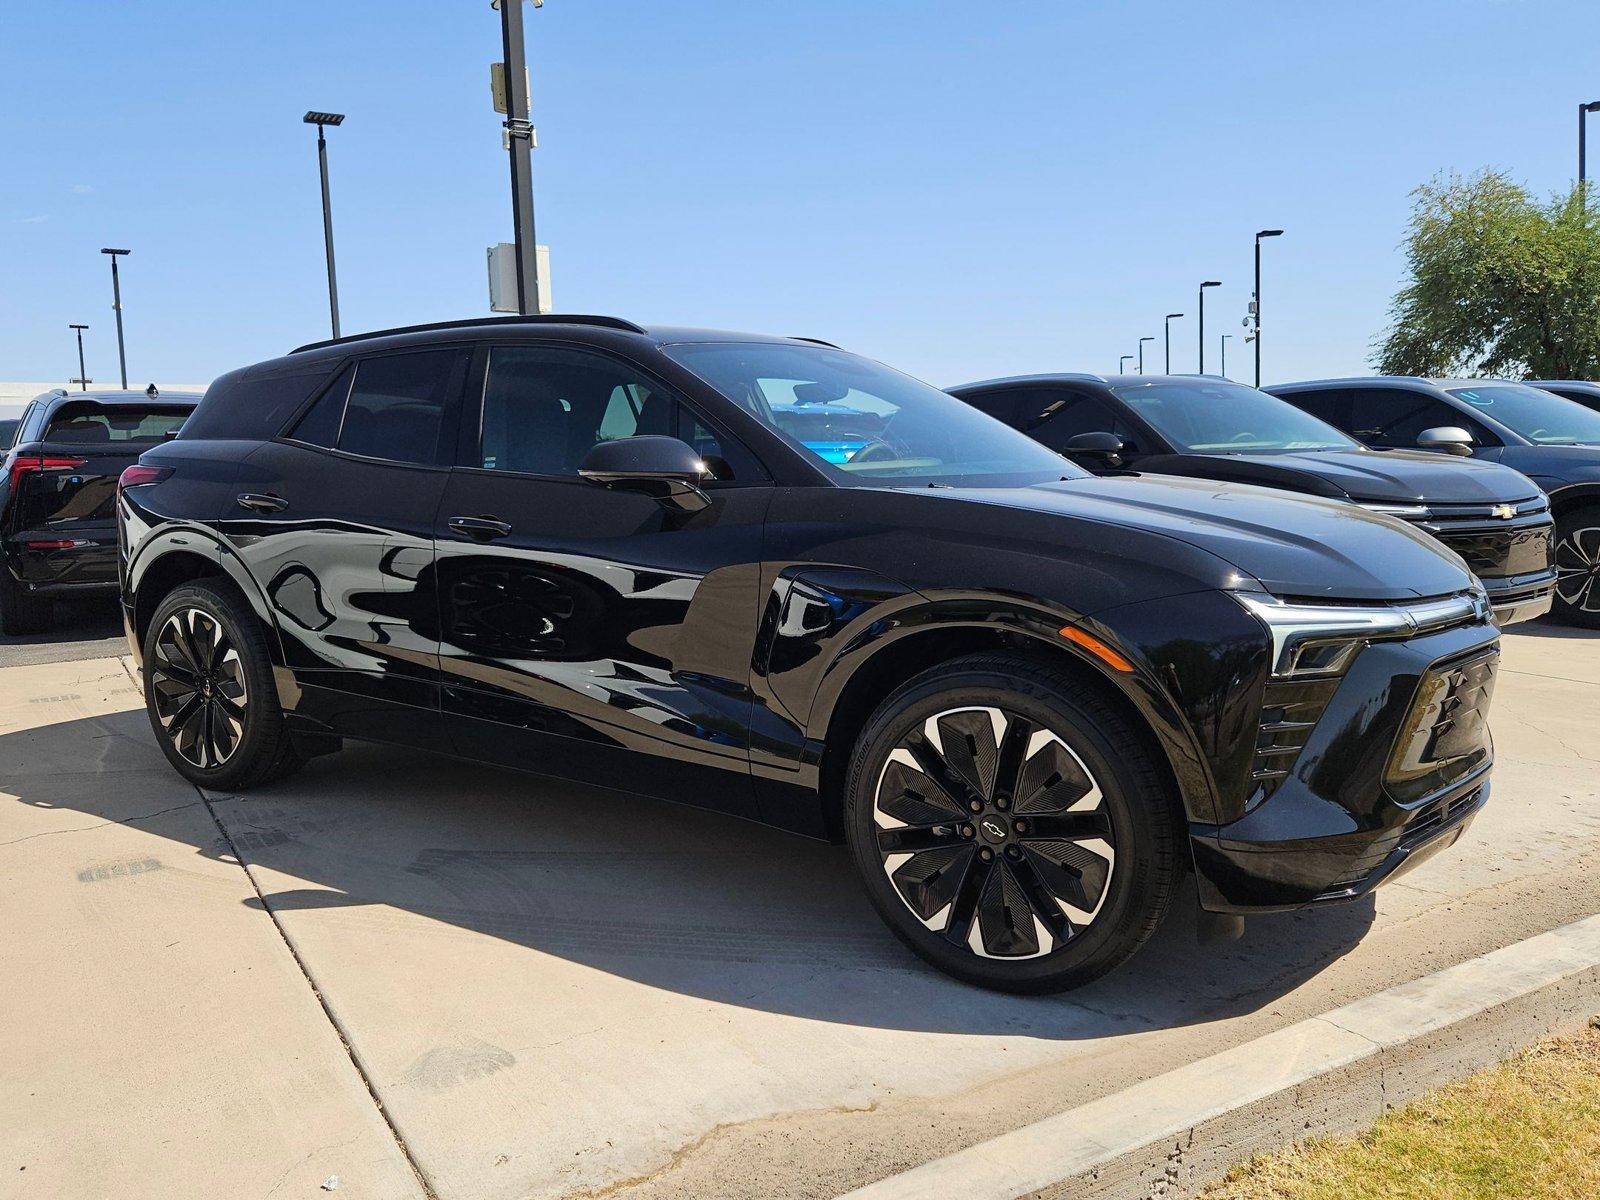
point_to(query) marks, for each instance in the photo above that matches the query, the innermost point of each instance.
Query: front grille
(1492, 544)
(1446, 734)
(1291, 710)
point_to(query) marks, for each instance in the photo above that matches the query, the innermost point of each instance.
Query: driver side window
(1055, 418)
(1393, 418)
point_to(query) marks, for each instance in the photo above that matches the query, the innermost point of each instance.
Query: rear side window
(393, 408)
(89, 424)
(1002, 406)
(1330, 405)
(247, 406)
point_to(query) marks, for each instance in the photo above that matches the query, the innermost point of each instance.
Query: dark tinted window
(396, 405)
(87, 423)
(545, 408)
(1004, 406)
(320, 425)
(1332, 406)
(1055, 418)
(245, 405)
(1393, 417)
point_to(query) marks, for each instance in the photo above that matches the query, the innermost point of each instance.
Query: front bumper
(1517, 598)
(1358, 778)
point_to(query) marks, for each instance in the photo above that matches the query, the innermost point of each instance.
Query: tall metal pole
(327, 231)
(1142, 341)
(1210, 283)
(1122, 364)
(1168, 324)
(83, 376)
(519, 143)
(1583, 111)
(116, 304)
(1260, 233)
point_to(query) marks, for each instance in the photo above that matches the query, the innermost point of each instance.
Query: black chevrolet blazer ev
(775, 579)
(1496, 519)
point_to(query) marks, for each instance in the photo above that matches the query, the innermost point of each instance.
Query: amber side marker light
(1095, 647)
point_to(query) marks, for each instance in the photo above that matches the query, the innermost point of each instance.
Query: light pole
(116, 304)
(83, 379)
(1225, 338)
(519, 144)
(320, 119)
(1262, 233)
(1583, 111)
(1207, 284)
(1122, 364)
(1170, 318)
(1142, 341)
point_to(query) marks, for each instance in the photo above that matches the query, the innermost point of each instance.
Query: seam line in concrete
(327, 1011)
(1080, 1142)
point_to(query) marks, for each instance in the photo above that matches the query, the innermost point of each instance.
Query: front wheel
(1011, 827)
(209, 691)
(1577, 599)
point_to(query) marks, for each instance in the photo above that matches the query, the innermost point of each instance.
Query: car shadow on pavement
(671, 897)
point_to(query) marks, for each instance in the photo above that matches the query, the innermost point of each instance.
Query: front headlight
(1310, 640)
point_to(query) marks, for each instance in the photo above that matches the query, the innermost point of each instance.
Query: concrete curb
(1171, 1134)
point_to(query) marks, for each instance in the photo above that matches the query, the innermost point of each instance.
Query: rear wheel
(209, 691)
(1578, 568)
(21, 612)
(1011, 827)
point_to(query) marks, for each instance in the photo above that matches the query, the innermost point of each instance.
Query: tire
(1577, 599)
(20, 612)
(1074, 824)
(209, 691)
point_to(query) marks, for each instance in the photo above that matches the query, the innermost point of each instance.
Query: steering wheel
(875, 451)
(1243, 437)
(1538, 435)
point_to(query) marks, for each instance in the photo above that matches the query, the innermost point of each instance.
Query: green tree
(1501, 284)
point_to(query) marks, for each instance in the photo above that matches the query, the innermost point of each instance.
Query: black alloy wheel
(198, 687)
(1578, 568)
(209, 690)
(1011, 826)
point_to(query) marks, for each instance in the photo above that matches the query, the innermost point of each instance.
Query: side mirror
(663, 467)
(1105, 448)
(1446, 439)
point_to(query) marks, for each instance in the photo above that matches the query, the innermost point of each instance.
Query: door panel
(587, 632)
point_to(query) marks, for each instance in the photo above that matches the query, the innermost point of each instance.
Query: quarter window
(392, 409)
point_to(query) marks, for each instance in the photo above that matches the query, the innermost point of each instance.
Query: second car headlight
(1321, 639)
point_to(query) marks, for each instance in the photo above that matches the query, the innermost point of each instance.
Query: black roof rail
(478, 322)
(814, 342)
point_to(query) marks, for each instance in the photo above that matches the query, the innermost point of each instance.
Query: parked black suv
(1585, 391)
(1551, 440)
(57, 481)
(590, 550)
(1211, 428)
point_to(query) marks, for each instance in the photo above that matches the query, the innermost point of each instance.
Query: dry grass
(1529, 1128)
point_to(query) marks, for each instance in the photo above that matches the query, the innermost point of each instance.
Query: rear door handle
(481, 528)
(262, 503)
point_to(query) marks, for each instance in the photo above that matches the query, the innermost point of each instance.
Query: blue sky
(962, 190)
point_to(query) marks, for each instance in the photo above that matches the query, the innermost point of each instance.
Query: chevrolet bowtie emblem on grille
(1504, 511)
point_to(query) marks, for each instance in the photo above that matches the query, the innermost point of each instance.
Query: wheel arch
(1575, 495)
(861, 679)
(186, 555)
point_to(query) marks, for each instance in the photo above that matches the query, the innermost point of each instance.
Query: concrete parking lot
(425, 977)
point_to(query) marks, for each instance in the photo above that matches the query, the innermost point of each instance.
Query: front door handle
(262, 503)
(481, 528)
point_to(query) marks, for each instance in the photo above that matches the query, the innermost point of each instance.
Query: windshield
(1537, 415)
(1213, 416)
(867, 425)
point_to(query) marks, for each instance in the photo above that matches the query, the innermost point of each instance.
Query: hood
(1293, 545)
(1384, 477)
(1557, 465)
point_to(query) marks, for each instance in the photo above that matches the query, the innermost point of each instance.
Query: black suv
(57, 482)
(1211, 428)
(596, 551)
(1553, 441)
